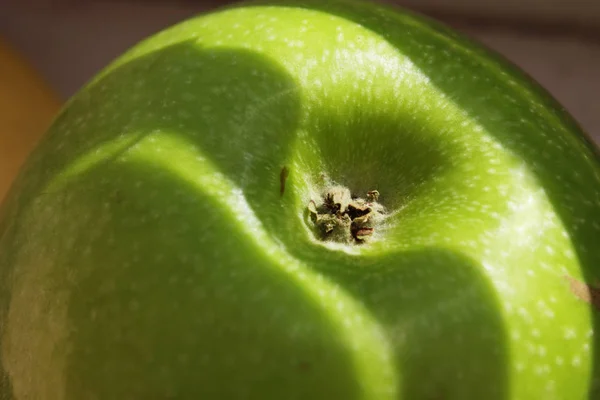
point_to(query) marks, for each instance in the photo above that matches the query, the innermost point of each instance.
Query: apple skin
(146, 250)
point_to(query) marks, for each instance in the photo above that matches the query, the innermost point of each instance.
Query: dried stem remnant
(340, 217)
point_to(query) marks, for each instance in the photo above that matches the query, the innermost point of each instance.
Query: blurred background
(60, 44)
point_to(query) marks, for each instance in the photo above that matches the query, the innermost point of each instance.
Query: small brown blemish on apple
(304, 366)
(583, 291)
(282, 178)
(118, 197)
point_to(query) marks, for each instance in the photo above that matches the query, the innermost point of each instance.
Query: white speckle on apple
(570, 333)
(524, 314)
(541, 369)
(569, 254)
(133, 305)
(520, 367)
(531, 347)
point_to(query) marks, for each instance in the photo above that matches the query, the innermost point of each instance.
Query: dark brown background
(555, 41)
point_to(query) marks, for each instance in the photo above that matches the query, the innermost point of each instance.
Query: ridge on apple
(304, 199)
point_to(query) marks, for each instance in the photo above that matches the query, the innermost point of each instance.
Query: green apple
(182, 230)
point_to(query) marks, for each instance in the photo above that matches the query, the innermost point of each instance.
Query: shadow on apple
(441, 314)
(124, 314)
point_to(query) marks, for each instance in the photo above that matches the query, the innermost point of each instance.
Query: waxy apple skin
(147, 251)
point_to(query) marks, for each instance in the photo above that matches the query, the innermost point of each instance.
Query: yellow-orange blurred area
(27, 107)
